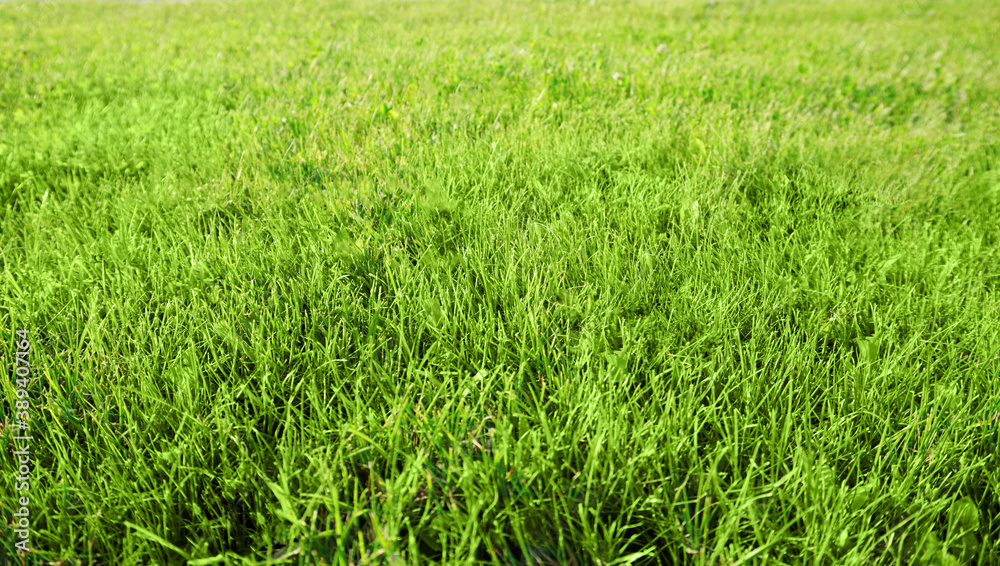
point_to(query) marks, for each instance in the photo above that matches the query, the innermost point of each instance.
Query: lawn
(523, 282)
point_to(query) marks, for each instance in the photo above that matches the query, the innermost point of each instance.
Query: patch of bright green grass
(524, 282)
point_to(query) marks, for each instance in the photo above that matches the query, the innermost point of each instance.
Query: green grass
(523, 282)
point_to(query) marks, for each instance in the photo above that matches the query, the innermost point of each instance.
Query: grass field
(522, 282)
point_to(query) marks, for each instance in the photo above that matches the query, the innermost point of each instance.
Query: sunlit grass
(523, 282)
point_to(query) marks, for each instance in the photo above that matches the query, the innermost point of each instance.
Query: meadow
(527, 282)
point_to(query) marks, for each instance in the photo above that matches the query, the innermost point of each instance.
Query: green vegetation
(513, 282)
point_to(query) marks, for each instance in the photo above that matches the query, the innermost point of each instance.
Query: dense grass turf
(521, 282)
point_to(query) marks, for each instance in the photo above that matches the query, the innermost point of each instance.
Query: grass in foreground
(530, 282)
